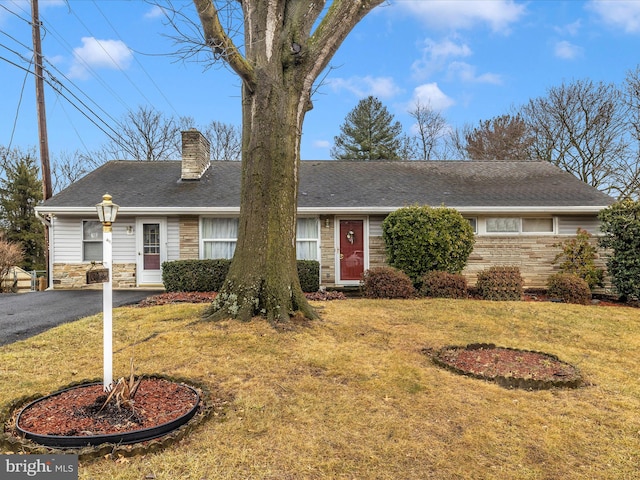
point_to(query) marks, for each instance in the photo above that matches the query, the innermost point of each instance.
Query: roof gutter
(43, 211)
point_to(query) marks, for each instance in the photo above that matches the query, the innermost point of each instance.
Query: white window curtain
(219, 236)
(307, 239)
(502, 225)
(538, 225)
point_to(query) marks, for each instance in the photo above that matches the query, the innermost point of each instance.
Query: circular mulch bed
(508, 367)
(81, 415)
(73, 419)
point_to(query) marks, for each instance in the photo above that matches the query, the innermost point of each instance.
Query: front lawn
(353, 395)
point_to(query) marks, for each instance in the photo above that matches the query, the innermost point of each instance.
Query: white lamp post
(107, 211)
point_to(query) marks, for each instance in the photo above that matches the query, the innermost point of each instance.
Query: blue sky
(469, 59)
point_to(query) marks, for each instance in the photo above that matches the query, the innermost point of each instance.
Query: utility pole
(42, 123)
(42, 117)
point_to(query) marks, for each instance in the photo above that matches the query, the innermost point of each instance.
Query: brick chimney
(196, 152)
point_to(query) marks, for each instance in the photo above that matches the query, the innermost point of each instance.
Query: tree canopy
(369, 132)
(20, 191)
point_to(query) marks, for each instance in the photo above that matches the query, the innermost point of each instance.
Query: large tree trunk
(263, 278)
(281, 61)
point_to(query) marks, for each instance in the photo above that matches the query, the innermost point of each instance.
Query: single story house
(188, 209)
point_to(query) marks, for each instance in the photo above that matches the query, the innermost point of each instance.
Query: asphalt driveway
(23, 315)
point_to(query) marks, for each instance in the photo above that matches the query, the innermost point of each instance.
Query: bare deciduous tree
(69, 167)
(225, 139)
(286, 45)
(145, 134)
(431, 129)
(581, 127)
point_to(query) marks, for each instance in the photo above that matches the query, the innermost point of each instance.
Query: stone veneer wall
(74, 275)
(533, 255)
(327, 251)
(189, 237)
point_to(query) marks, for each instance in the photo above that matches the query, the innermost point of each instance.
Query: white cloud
(436, 55)
(324, 144)
(571, 29)
(430, 94)
(467, 73)
(154, 12)
(381, 87)
(624, 14)
(443, 56)
(567, 50)
(94, 53)
(498, 14)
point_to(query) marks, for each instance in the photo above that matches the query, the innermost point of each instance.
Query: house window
(91, 241)
(519, 225)
(219, 236)
(503, 225)
(473, 222)
(537, 225)
(307, 240)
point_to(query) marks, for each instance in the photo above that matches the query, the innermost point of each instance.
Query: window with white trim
(219, 237)
(473, 221)
(307, 239)
(91, 241)
(519, 225)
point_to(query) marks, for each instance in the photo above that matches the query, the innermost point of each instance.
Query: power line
(15, 119)
(111, 58)
(136, 60)
(49, 82)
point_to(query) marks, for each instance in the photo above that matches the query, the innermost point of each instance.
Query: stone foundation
(74, 275)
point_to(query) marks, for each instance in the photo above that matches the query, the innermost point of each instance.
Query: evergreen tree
(20, 192)
(368, 133)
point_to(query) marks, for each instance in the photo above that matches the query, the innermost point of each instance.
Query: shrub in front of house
(443, 285)
(620, 224)
(386, 282)
(500, 283)
(420, 239)
(569, 287)
(578, 258)
(209, 275)
(309, 275)
(194, 275)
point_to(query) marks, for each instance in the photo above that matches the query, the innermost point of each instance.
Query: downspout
(47, 221)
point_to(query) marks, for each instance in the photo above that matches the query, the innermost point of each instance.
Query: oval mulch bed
(509, 367)
(79, 414)
(162, 408)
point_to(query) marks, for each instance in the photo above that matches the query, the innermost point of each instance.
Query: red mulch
(79, 411)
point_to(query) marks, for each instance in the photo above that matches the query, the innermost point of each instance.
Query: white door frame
(336, 230)
(147, 277)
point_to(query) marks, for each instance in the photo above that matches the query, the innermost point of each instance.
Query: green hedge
(208, 275)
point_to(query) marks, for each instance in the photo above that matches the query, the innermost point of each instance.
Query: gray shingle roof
(340, 184)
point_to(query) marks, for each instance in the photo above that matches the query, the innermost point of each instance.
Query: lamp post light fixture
(107, 211)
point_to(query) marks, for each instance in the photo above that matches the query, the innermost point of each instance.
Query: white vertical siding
(173, 238)
(124, 240)
(67, 238)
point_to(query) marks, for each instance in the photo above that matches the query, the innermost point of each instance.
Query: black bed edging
(11, 441)
(511, 381)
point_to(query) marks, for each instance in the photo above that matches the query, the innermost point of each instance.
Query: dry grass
(353, 397)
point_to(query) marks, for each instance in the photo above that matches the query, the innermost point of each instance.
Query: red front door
(351, 249)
